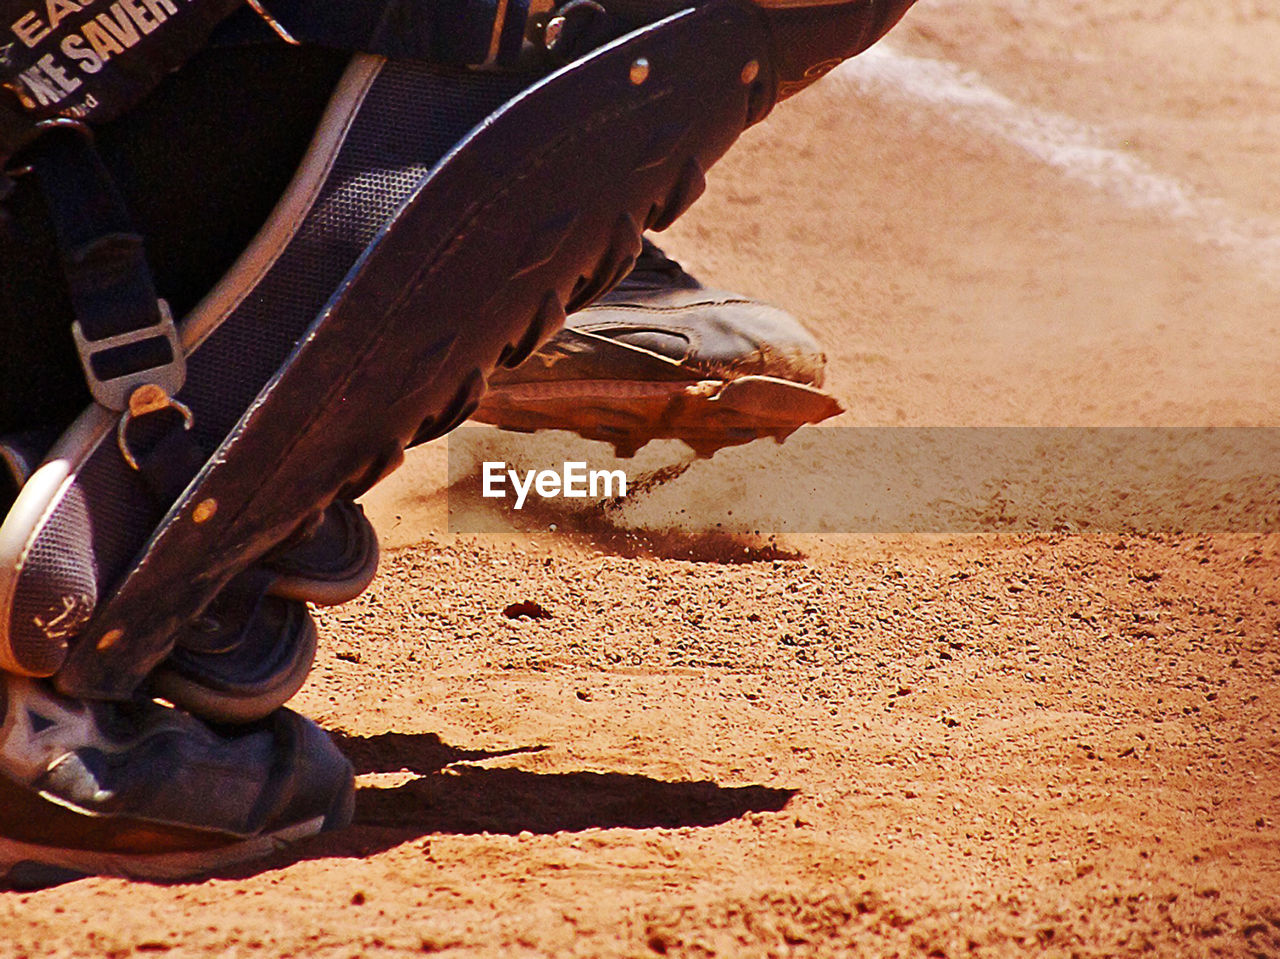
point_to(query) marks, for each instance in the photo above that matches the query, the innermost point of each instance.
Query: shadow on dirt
(463, 799)
(421, 753)
(455, 800)
(510, 801)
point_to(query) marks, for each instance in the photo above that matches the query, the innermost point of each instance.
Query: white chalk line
(1073, 148)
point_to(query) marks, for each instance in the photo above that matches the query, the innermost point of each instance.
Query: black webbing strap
(129, 347)
(123, 331)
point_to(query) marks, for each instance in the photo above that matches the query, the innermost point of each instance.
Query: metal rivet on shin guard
(639, 71)
(109, 639)
(204, 510)
(750, 71)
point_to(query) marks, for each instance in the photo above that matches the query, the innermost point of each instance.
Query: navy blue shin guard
(413, 253)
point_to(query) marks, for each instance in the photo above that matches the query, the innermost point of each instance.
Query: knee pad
(440, 224)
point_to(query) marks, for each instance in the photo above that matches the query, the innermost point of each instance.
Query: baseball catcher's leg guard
(412, 254)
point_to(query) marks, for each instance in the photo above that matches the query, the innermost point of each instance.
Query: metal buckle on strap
(114, 393)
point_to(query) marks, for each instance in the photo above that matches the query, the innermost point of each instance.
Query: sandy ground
(1017, 213)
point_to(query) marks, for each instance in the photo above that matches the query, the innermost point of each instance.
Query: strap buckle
(114, 392)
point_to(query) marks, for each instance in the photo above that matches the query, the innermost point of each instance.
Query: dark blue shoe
(148, 791)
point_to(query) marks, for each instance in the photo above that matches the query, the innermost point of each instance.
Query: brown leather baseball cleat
(663, 357)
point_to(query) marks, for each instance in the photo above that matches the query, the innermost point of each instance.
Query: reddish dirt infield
(1021, 213)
